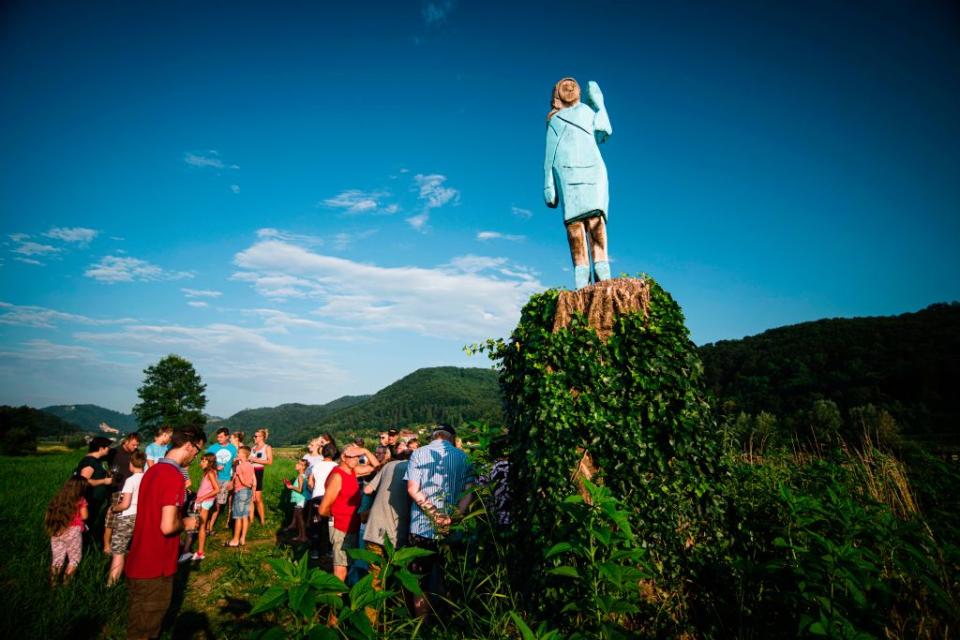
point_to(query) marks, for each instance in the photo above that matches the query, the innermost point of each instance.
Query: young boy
(126, 517)
(244, 480)
(161, 443)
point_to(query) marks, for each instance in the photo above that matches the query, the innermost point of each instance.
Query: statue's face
(569, 91)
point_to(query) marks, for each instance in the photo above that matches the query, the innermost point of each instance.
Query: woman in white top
(261, 454)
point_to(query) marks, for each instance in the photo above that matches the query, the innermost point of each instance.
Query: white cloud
(44, 318)
(19, 237)
(520, 212)
(113, 269)
(46, 350)
(201, 293)
(29, 261)
(30, 248)
(235, 188)
(435, 12)
(496, 235)
(198, 303)
(470, 298)
(357, 201)
(287, 236)
(432, 190)
(433, 195)
(210, 160)
(418, 221)
(227, 355)
(75, 235)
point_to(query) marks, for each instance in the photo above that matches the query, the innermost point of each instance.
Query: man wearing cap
(439, 478)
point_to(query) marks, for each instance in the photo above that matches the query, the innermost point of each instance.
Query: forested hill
(426, 396)
(285, 421)
(908, 365)
(89, 416)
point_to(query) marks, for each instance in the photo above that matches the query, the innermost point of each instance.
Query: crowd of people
(140, 506)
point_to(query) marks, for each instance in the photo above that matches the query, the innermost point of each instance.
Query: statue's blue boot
(602, 269)
(581, 276)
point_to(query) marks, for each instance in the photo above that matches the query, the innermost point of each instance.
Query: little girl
(298, 498)
(206, 495)
(64, 524)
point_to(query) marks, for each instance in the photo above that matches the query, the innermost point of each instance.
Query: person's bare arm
(170, 522)
(465, 501)
(268, 452)
(311, 481)
(331, 491)
(124, 503)
(87, 473)
(421, 500)
(84, 512)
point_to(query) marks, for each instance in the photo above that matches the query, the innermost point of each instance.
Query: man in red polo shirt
(341, 499)
(152, 559)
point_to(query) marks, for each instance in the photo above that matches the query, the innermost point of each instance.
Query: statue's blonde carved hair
(566, 93)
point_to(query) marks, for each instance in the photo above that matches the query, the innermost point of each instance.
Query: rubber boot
(581, 276)
(602, 270)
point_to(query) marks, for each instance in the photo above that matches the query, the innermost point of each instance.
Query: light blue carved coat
(575, 177)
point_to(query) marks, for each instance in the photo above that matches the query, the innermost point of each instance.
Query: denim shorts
(241, 503)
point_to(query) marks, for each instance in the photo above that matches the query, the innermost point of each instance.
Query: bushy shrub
(636, 403)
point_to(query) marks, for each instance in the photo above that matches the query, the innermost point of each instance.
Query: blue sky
(309, 201)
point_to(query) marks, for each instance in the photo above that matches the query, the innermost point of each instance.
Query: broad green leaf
(327, 582)
(406, 554)
(525, 632)
(566, 571)
(366, 556)
(560, 547)
(271, 599)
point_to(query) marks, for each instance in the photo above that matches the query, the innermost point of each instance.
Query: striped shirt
(444, 474)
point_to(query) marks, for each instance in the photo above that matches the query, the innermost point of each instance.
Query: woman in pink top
(261, 454)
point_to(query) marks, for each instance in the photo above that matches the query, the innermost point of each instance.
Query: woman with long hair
(261, 455)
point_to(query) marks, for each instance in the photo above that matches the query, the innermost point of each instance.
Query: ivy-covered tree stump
(609, 370)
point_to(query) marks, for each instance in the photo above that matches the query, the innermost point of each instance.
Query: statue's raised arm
(575, 177)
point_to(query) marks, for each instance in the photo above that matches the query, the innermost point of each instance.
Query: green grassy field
(218, 590)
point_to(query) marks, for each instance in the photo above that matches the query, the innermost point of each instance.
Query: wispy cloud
(235, 188)
(483, 236)
(359, 201)
(269, 233)
(198, 303)
(435, 12)
(113, 269)
(469, 298)
(433, 195)
(28, 261)
(210, 159)
(520, 212)
(228, 355)
(75, 235)
(26, 247)
(44, 318)
(201, 293)
(344, 240)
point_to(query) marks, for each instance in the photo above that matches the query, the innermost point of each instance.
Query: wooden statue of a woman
(575, 177)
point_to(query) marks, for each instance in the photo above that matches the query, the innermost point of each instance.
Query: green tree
(172, 394)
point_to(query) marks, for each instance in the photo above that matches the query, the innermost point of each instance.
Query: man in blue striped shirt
(439, 478)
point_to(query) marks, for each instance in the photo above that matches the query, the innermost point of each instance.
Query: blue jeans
(241, 503)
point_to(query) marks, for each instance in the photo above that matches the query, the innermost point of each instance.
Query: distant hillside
(286, 421)
(426, 396)
(907, 364)
(89, 416)
(20, 427)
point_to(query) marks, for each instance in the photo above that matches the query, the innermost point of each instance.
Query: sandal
(232, 546)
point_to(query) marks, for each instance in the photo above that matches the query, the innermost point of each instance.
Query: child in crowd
(126, 510)
(206, 494)
(298, 497)
(244, 481)
(161, 443)
(236, 439)
(64, 524)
